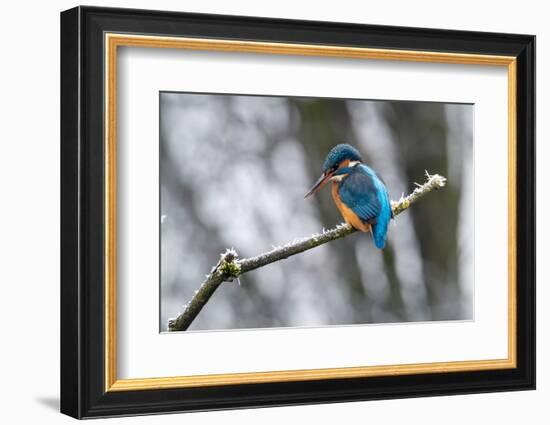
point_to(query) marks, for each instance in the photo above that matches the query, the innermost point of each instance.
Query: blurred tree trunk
(421, 134)
(323, 125)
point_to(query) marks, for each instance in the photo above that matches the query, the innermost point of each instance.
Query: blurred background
(234, 171)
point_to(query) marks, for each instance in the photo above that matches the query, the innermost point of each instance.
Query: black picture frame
(83, 392)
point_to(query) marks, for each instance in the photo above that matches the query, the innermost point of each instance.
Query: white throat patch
(338, 177)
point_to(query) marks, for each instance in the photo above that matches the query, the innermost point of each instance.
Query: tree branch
(230, 267)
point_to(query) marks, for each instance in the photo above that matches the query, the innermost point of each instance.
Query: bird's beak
(319, 184)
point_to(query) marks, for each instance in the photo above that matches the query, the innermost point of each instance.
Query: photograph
(284, 210)
(249, 174)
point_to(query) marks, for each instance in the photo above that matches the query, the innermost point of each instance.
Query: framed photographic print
(261, 212)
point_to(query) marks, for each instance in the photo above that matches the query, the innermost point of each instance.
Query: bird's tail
(380, 228)
(379, 234)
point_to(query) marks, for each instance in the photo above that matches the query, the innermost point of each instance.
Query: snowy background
(234, 171)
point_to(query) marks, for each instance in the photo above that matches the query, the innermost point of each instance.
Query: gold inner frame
(113, 41)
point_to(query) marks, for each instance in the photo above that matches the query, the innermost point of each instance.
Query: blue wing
(365, 194)
(358, 192)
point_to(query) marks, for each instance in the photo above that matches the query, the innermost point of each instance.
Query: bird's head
(336, 164)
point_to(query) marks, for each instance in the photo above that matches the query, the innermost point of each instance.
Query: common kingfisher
(358, 192)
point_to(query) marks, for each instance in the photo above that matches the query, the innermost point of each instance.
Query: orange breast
(349, 216)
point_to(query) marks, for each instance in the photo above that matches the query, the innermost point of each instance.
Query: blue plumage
(365, 194)
(339, 154)
(358, 192)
